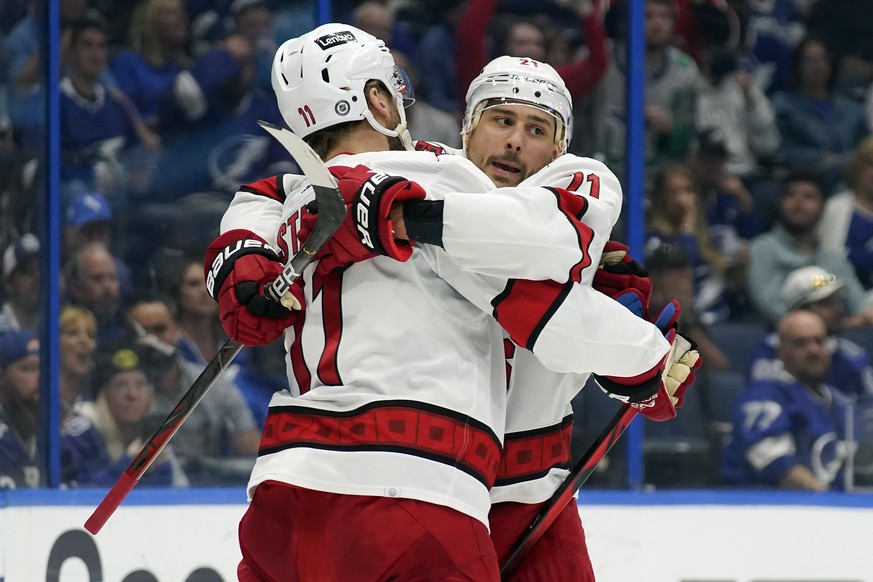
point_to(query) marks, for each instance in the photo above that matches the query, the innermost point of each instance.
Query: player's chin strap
(401, 131)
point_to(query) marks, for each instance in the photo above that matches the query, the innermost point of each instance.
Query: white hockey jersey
(538, 431)
(402, 364)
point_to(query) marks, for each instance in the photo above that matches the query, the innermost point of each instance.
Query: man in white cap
(814, 289)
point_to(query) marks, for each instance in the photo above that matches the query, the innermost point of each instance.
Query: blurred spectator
(731, 213)
(436, 57)
(790, 433)
(847, 28)
(426, 122)
(731, 103)
(675, 216)
(814, 289)
(98, 124)
(124, 420)
(261, 374)
(169, 88)
(78, 340)
(705, 25)
(673, 278)
(219, 441)
(201, 333)
(253, 21)
(847, 223)
(221, 146)
(773, 30)
(91, 282)
(19, 409)
(21, 285)
(819, 128)
(376, 18)
(89, 218)
(673, 84)
(793, 243)
(22, 50)
(521, 37)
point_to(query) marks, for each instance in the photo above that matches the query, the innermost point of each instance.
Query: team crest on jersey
(335, 39)
(426, 146)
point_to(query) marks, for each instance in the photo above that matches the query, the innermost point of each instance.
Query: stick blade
(110, 503)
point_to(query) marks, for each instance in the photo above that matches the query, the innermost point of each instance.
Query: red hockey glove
(367, 230)
(239, 264)
(658, 392)
(618, 272)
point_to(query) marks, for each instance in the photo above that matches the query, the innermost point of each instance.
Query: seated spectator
(814, 289)
(89, 219)
(197, 316)
(91, 281)
(219, 441)
(673, 278)
(731, 212)
(78, 340)
(731, 104)
(847, 223)
(819, 128)
(98, 124)
(672, 86)
(21, 285)
(793, 243)
(847, 28)
(774, 28)
(19, 410)
(675, 216)
(791, 433)
(123, 421)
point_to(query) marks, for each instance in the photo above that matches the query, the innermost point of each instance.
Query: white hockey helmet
(319, 79)
(524, 81)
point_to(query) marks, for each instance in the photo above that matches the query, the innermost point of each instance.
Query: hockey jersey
(539, 415)
(403, 363)
(779, 424)
(849, 372)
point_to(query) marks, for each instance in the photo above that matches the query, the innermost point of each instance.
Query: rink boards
(699, 536)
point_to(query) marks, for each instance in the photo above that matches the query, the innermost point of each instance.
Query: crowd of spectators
(758, 161)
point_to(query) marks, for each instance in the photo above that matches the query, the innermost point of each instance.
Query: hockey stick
(559, 500)
(331, 212)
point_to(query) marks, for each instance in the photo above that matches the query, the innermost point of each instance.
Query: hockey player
(377, 462)
(505, 107)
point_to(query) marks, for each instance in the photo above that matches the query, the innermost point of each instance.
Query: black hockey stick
(331, 212)
(559, 500)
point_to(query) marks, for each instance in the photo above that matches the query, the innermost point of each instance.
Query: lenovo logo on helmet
(335, 39)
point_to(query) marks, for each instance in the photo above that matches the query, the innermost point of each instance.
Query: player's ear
(380, 103)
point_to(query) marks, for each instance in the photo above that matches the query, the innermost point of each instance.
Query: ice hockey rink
(678, 536)
(689, 528)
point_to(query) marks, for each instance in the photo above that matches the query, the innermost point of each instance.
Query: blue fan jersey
(850, 371)
(781, 424)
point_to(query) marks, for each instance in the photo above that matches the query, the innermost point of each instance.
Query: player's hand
(618, 272)
(658, 392)
(367, 230)
(239, 266)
